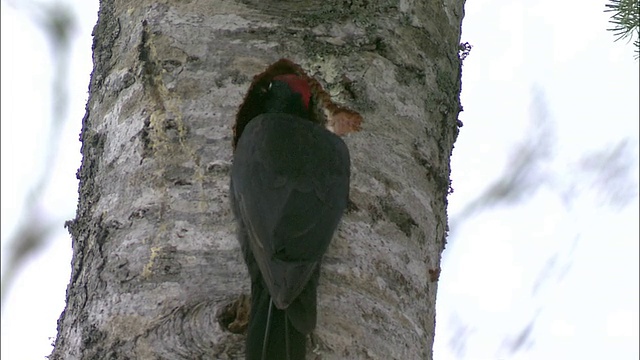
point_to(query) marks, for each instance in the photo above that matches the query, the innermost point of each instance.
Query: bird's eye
(270, 85)
(264, 89)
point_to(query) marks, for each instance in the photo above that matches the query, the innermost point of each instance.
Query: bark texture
(157, 270)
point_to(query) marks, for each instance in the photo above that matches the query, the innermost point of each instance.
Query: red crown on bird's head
(335, 118)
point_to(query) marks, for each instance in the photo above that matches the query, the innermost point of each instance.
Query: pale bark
(155, 256)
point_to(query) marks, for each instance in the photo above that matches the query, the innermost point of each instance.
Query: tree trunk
(157, 271)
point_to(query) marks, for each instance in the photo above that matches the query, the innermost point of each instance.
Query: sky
(562, 263)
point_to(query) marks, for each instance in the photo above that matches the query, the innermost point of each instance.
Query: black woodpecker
(289, 189)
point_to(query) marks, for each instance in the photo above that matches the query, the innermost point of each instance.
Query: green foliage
(625, 20)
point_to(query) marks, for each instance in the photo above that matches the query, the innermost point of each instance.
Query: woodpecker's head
(284, 87)
(289, 94)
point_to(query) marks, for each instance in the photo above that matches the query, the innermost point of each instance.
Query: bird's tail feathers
(271, 335)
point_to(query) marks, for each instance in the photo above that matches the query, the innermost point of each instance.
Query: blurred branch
(460, 336)
(522, 341)
(29, 238)
(556, 267)
(524, 172)
(57, 23)
(610, 173)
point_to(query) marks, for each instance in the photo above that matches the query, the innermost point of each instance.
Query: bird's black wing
(290, 179)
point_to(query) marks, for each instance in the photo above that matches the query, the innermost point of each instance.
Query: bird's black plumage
(289, 189)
